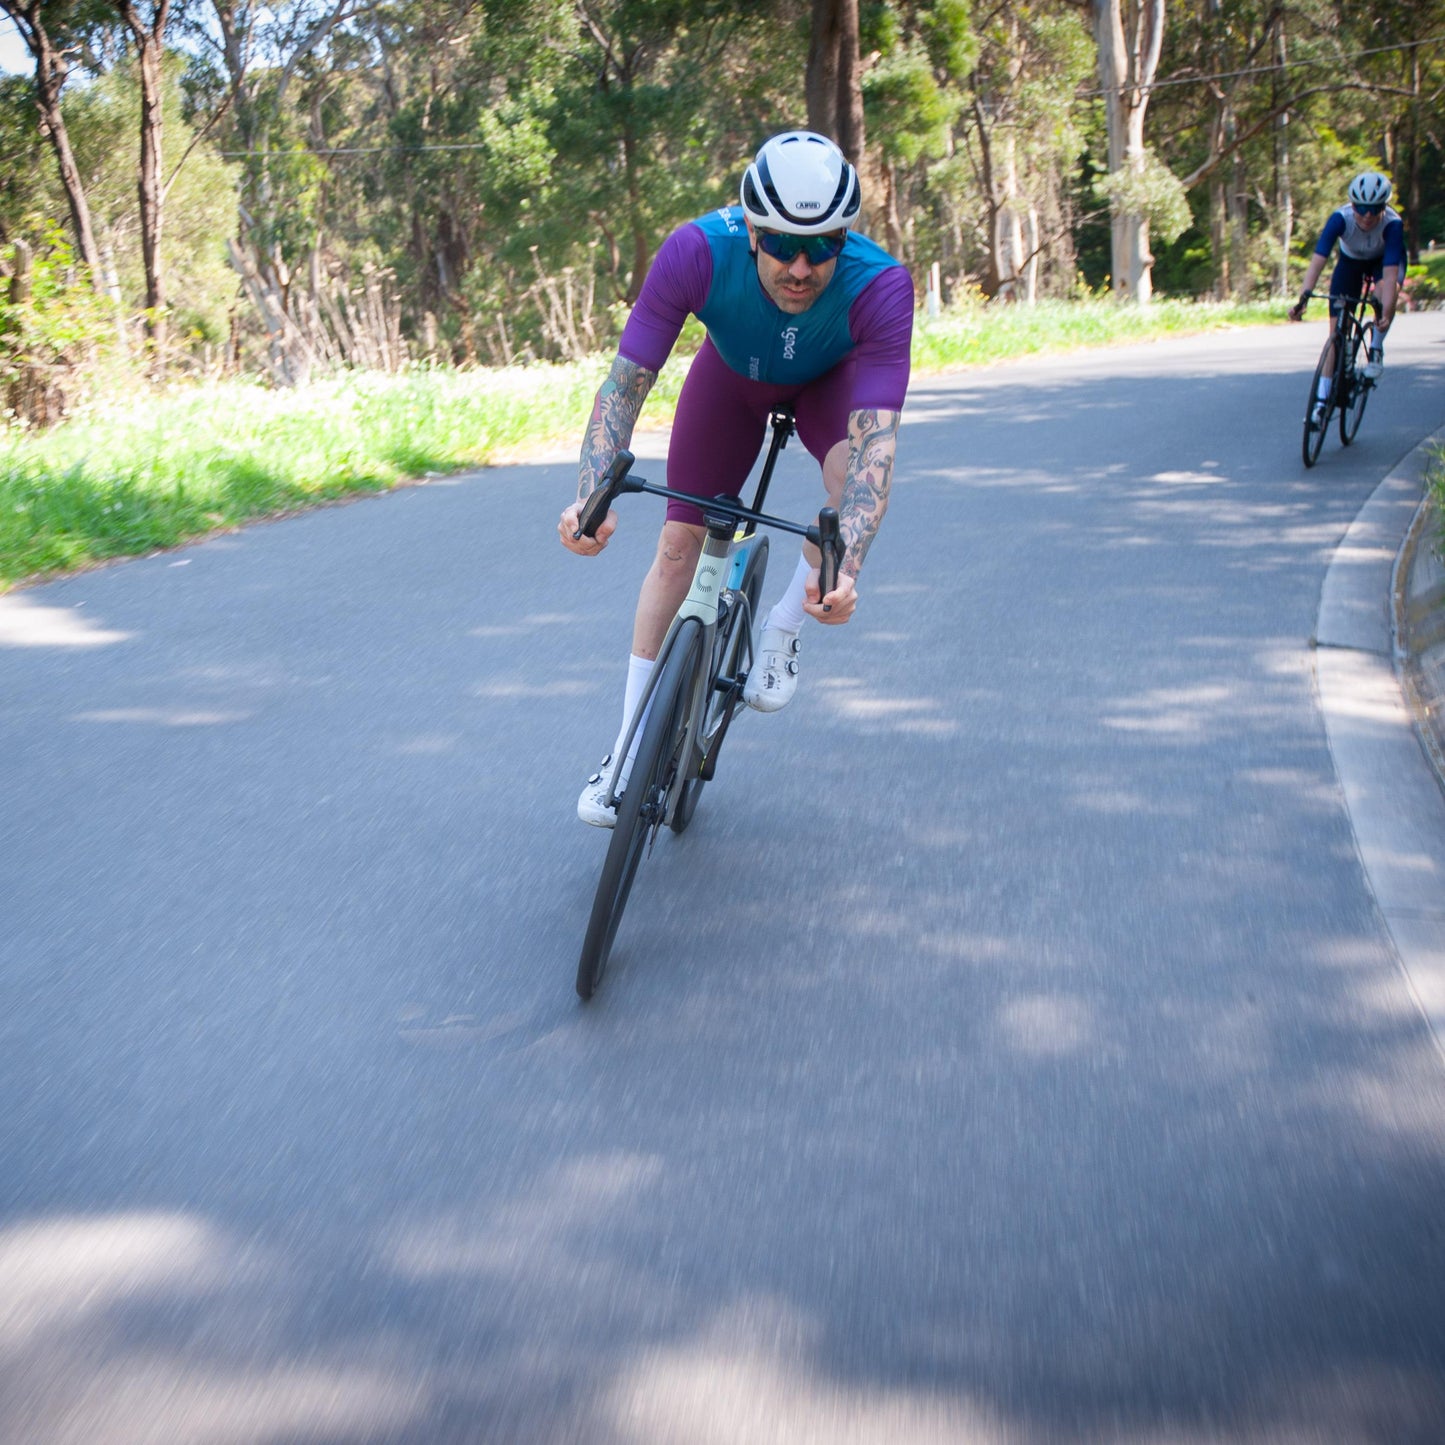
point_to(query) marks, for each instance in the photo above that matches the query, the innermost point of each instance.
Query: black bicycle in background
(697, 682)
(1343, 360)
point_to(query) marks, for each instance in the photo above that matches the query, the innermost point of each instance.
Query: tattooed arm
(872, 438)
(614, 414)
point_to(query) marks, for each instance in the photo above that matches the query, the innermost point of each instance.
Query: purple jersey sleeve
(881, 321)
(677, 284)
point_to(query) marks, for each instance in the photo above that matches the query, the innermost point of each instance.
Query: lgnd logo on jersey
(790, 343)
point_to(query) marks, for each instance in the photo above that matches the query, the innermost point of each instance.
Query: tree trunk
(51, 70)
(1128, 34)
(150, 64)
(1284, 186)
(834, 83)
(834, 90)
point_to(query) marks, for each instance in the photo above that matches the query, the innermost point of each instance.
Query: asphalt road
(1012, 1051)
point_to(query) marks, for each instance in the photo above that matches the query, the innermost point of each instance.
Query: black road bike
(696, 685)
(1343, 360)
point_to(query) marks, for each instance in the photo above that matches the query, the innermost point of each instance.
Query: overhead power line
(1287, 65)
(403, 149)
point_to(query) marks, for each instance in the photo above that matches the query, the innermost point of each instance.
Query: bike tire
(642, 805)
(732, 657)
(1314, 438)
(1356, 386)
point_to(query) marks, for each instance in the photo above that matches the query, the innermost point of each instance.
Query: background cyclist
(1371, 238)
(799, 309)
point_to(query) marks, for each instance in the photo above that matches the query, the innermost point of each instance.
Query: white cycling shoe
(773, 677)
(1375, 367)
(592, 805)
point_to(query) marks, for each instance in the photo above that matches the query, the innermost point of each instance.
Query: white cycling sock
(788, 611)
(1324, 389)
(639, 669)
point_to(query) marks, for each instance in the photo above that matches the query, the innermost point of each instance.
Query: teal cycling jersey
(755, 337)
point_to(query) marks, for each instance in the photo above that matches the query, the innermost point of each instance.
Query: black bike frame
(729, 526)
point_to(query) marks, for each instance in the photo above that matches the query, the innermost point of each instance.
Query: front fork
(701, 603)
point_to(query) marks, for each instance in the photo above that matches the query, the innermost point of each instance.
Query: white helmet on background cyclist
(1369, 188)
(800, 182)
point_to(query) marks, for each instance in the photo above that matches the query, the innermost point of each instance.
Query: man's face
(792, 285)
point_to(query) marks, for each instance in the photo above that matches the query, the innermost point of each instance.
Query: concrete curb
(1395, 800)
(1420, 631)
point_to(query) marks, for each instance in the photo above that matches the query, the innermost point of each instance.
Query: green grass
(980, 335)
(123, 480)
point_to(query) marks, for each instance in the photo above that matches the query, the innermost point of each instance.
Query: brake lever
(599, 501)
(830, 544)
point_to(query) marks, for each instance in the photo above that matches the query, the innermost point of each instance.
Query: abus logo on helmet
(790, 342)
(808, 206)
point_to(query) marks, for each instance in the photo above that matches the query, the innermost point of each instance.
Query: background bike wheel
(1357, 389)
(641, 805)
(734, 655)
(1314, 438)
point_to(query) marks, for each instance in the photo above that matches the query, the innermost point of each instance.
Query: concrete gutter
(1371, 691)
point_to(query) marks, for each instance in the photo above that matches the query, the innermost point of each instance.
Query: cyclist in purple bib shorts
(799, 309)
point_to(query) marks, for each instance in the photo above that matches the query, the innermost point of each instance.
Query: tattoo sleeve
(614, 414)
(872, 439)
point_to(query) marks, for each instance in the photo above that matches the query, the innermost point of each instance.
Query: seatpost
(783, 427)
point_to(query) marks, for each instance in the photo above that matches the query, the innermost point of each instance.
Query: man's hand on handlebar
(1297, 311)
(584, 546)
(837, 606)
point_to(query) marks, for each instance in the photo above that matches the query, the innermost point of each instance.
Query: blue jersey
(1384, 243)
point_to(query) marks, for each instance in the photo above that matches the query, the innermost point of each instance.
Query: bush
(56, 334)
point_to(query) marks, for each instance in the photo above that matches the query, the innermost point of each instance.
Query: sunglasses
(1370, 210)
(786, 248)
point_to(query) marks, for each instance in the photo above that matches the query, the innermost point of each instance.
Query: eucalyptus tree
(147, 25)
(654, 101)
(1129, 36)
(1266, 110)
(834, 77)
(46, 28)
(918, 54)
(1025, 132)
(249, 61)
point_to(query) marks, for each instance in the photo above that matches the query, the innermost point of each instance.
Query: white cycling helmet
(1369, 188)
(800, 182)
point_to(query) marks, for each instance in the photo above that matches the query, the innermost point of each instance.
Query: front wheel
(732, 657)
(1357, 385)
(1314, 433)
(643, 803)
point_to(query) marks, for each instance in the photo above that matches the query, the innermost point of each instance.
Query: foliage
(176, 465)
(508, 168)
(58, 339)
(1153, 191)
(200, 205)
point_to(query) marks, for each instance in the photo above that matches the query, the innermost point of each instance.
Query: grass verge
(126, 479)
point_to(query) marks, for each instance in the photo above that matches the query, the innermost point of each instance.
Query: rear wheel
(1356, 386)
(643, 803)
(733, 656)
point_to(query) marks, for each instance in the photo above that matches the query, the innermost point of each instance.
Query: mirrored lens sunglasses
(1370, 210)
(784, 247)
